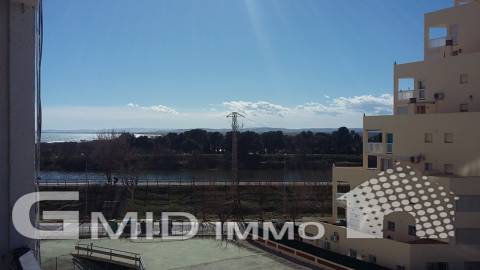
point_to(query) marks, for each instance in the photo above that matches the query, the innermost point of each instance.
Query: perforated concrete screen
(400, 189)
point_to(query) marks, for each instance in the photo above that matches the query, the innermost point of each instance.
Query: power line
(235, 181)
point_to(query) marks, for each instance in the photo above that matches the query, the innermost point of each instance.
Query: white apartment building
(435, 130)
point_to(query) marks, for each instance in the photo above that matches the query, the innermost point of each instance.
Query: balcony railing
(375, 148)
(405, 94)
(437, 42)
(389, 148)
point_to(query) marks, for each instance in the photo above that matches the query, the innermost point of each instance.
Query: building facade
(435, 129)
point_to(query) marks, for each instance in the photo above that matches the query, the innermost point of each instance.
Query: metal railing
(375, 148)
(113, 255)
(437, 42)
(405, 94)
(389, 148)
(198, 182)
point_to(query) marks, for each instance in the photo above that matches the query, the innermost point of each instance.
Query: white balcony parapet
(389, 148)
(405, 94)
(437, 42)
(375, 148)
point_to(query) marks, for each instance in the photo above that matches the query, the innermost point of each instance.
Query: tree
(110, 152)
(200, 137)
(273, 141)
(344, 141)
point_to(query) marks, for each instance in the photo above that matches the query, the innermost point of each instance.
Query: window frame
(420, 111)
(447, 138)
(463, 78)
(371, 157)
(426, 136)
(412, 230)
(448, 171)
(374, 138)
(391, 226)
(428, 168)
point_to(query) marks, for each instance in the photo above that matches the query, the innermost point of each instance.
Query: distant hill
(165, 131)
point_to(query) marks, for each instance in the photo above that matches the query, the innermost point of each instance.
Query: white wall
(17, 115)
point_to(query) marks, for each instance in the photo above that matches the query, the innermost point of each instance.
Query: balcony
(375, 148)
(405, 94)
(437, 42)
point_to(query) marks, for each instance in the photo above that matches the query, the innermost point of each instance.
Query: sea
(55, 137)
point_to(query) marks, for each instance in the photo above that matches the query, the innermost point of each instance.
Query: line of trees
(199, 148)
(342, 141)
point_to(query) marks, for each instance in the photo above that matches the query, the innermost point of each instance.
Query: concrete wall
(4, 153)
(390, 253)
(351, 175)
(466, 17)
(409, 140)
(401, 220)
(442, 76)
(17, 115)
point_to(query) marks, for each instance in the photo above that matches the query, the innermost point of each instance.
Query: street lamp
(86, 180)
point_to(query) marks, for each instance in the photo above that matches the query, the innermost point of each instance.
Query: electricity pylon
(235, 180)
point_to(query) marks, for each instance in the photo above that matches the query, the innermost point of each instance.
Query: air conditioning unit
(413, 100)
(439, 96)
(334, 237)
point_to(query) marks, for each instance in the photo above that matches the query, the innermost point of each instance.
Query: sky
(187, 63)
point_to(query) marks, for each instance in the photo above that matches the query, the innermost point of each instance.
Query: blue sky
(185, 63)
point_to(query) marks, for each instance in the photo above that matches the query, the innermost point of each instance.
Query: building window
(375, 136)
(454, 34)
(421, 93)
(463, 78)
(352, 253)
(428, 138)
(464, 107)
(421, 109)
(389, 143)
(437, 266)
(428, 166)
(448, 169)
(448, 137)
(391, 226)
(421, 85)
(387, 163)
(412, 230)
(406, 84)
(402, 110)
(372, 162)
(437, 36)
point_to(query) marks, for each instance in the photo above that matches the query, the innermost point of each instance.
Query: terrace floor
(197, 253)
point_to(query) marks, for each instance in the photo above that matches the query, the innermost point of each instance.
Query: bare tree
(109, 153)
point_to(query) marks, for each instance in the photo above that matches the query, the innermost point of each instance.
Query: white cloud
(154, 108)
(364, 104)
(335, 112)
(318, 108)
(367, 103)
(256, 108)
